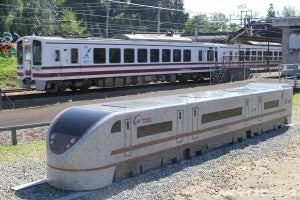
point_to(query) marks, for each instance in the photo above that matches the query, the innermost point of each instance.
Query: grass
(29, 152)
(296, 109)
(8, 72)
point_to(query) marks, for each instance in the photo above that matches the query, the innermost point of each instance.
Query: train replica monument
(89, 147)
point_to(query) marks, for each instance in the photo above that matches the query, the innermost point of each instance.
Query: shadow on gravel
(150, 179)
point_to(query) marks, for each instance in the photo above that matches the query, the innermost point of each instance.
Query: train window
(153, 129)
(200, 55)
(57, 55)
(20, 52)
(99, 55)
(242, 57)
(266, 55)
(128, 55)
(27, 52)
(280, 55)
(142, 55)
(219, 115)
(37, 52)
(259, 55)
(74, 55)
(116, 127)
(247, 57)
(271, 104)
(114, 55)
(253, 55)
(195, 112)
(210, 55)
(166, 55)
(230, 55)
(154, 55)
(176, 55)
(271, 55)
(275, 55)
(186, 55)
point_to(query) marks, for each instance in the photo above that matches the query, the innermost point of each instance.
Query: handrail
(14, 129)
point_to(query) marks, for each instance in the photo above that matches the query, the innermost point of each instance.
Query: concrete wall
(289, 25)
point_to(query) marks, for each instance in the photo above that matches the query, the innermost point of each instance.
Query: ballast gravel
(162, 183)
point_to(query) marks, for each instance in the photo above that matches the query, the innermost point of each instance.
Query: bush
(8, 72)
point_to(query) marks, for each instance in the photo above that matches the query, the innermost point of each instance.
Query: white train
(89, 147)
(55, 63)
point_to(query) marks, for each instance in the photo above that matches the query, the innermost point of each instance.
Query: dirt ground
(272, 177)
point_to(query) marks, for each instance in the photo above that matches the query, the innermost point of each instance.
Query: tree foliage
(69, 25)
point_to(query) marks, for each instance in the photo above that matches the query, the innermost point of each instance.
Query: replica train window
(186, 55)
(116, 127)
(166, 55)
(142, 55)
(74, 55)
(76, 121)
(128, 55)
(176, 55)
(219, 115)
(271, 104)
(152, 129)
(154, 55)
(200, 55)
(114, 55)
(37, 52)
(99, 55)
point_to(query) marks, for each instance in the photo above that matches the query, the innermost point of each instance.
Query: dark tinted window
(76, 121)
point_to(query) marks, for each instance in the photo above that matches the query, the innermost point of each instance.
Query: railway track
(35, 98)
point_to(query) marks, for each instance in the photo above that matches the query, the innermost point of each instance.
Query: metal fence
(13, 130)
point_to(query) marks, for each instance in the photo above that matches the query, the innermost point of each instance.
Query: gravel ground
(170, 182)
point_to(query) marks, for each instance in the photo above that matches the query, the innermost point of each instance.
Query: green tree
(69, 25)
(289, 11)
(271, 11)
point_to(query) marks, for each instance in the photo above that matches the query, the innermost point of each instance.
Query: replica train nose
(70, 126)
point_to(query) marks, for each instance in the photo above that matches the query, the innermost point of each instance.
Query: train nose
(70, 126)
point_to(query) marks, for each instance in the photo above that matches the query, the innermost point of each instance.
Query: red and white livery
(57, 63)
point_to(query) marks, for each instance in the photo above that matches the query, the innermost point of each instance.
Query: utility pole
(196, 29)
(107, 18)
(158, 18)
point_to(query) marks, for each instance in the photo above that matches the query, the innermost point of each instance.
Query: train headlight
(37, 68)
(27, 65)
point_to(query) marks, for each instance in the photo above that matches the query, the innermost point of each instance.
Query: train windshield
(37, 52)
(20, 52)
(76, 121)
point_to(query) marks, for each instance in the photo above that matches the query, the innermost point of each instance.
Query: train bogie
(104, 142)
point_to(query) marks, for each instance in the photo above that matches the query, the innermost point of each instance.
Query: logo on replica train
(139, 119)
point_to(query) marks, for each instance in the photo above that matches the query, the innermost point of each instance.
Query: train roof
(188, 98)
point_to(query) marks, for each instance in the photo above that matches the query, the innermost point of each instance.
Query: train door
(260, 107)
(179, 125)
(246, 113)
(194, 122)
(57, 59)
(127, 137)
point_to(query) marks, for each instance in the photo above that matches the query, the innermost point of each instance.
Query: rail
(13, 130)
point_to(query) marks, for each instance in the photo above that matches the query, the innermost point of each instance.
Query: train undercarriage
(111, 82)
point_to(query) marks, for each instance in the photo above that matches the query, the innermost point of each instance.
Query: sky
(231, 6)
